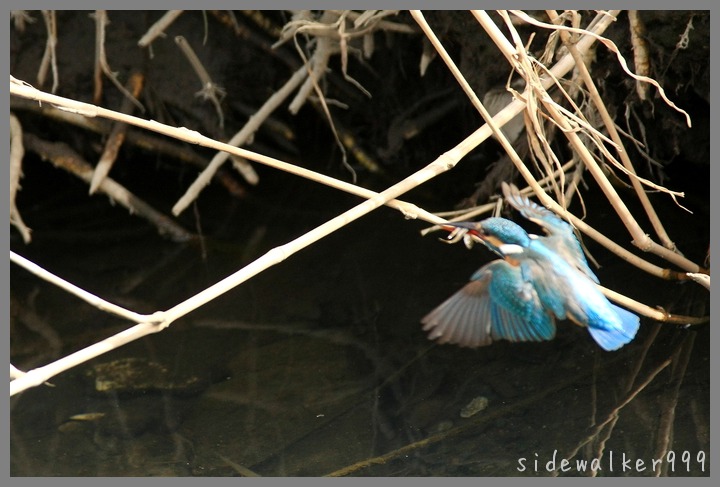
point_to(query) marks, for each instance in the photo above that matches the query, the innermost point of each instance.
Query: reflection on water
(319, 365)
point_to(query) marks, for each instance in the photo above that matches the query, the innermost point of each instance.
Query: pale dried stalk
(615, 136)
(640, 238)
(17, 151)
(655, 313)
(471, 213)
(585, 129)
(420, 19)
(62, 156)
(101, 63)
(372, 18)
(89, 298)
(516, 56)
(317, 65)
(209, 91)
(49, 58)
(37, 376)
(252, 125)
(641, 57)
(116, 137)
(364, 24)
(158, 28)
(513, 55)
(301, 24)
(24, 90)
(613, 48)
(325, 46)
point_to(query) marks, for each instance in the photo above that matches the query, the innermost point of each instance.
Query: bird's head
(500, 231)
(493, 232)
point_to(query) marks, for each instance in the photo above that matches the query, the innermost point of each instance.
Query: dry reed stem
(61, 155)
(86, 296)
(613, 48)
(641, 56)
(163, 319)
(49, 58)
(116, 137)
(20, 88)
(242, 136)
(541, 84)
(316, 66)
(517, 54)
(325, 47)
(614, 135)
(138, 138)
(158, 28)
(101, 63)
(209, 91)
(17, 151)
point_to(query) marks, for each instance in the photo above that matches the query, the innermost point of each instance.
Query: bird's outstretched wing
(560, 235)
(495, 305)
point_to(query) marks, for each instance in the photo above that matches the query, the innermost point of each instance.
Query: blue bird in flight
(537, 279)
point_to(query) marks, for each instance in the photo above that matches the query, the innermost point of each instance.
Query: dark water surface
(319, 366)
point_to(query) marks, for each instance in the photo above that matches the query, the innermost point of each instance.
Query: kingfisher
(537, 280)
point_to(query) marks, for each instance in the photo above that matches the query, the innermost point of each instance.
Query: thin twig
(161, 320)
(101, 64)
(613, 48)
(517, 56)
(135, 137)
(86, 296)
(316, 69)
(484, 19)
(610, 126)
(210, 91)
(641, 56)
(409, 210)
(670, 400)
(49, 58)
(61, 155)
(17, 151)
(252, 125)
(116, 137)
(158, 28)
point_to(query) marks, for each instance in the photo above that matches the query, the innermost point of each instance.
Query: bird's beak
(465, 231)
(472, 227)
